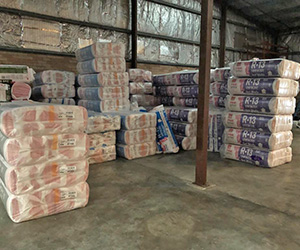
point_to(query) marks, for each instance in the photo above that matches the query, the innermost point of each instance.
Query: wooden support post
(223, 33)
(203, 96)
(134, 34)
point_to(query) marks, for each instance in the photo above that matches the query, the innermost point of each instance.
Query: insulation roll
(184, 129)
(20, 91)
(134, 151)
(131, 120)
(136, 136)
(140, 75)
(102, 154)
(177, 91)
(264, 140)
(217, 101)
(105, 105)
(54, 77)
(53, 91)
(257, 157)
(64, 101)
(185, 77)
(146, 100)
(219, 88)
(102, 139)
(257, 104)
(116, 64)
(140, 88)
(99, 122)
(181, 114)
(268, 123)
(221, 74)
(185, 102)
(187, 143)
(103, 79)
(100, 93)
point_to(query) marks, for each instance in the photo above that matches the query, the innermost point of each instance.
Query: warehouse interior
(161, 201)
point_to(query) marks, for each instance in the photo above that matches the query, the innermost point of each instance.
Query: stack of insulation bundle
(102, 77)
(101, 130)
(219, 91)
(141, 87)
(43, 165)
(54, 86)
(137, 137)
(260, 107)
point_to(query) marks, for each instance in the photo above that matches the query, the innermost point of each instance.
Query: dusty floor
(151, 203)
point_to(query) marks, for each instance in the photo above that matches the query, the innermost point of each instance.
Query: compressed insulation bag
(131, 120)
(134, 151)
(177, 91)
(101, 154)
(20, 91)
(100, 93)
(43, 203)
(45, 175)
(266, 68)
(268, 123)
(102, 139)
(262, 158)
(103, 79)
(116, 64)
(265, 140)
(221, 74)
(263, 86)
(145, 100)
(187, 143)
(31, 118)
(219, 88)
(16, 73)
(185, 77)
(215, 130)
(105, 105)
(53, 91)
(261, 104)
(217, 101)
(182, 114)
(99, 122)
(28, 150)
(185, 102)
(140, 88)
(184, 129)
(5, 90)
(64, 101)
(140, 75)
(136, 136)
(167, 101)
(99, 49)
(54, 77)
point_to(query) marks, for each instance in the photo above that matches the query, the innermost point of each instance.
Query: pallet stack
(259, 111)
(102, 77)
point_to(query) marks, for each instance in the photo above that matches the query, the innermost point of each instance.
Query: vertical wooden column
(203, 96)
(223, 33)
(133, 33)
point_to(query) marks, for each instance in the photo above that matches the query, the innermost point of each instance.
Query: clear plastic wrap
(31, 118)
(215, 130)
(102, 139)
(263, 86)
(99, 49)
(115, 64)
(5, 90)
(100, 122)
(28, 150)
(104, 79)
(145, 100)
(266, 68)
(131, 120)
(18, 73)
(185, 102)
(43, 203)
(185, 77)
(217, 101)
(257, 157)
(102, 154)
(136, 136)
(177, 91)
(187, 143)
(263, 140)
(140, 88)
(140, 75)
(219, 88)
(182, 114)
(64, 101)
(54, 77)
(53, 91)
(221, 74)
(102, 93)
(134, 151)
(20, 91)
(268, 123)
(105, 105)
(184, 129)
(46, 175)
(261, 104)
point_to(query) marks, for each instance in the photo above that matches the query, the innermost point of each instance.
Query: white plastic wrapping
(146, 100)
(134, 151)
(64, 101)
(184, 129)
(116, 64)
(263, 140)
(103, 79)
(217, 101)
(177, 91)
(136, 136)
(101, 93)
(185, 77)
(131, 120)
(266, 68)
(263, 86)
(187, 143)
(18, 73)
(20, 91)
(102, 139)
(140, 88)
(219, 88)
(54, 77)
(30, 118)
(261, 104)
(43, 203)
(221, 74)
(102, 154)
(257, 157)
(53, 91)
(268, 123)
(105, 105)
(100, 122)
(140, 75)
(188, 115)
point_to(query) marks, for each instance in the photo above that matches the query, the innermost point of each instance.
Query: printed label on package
(264, 68)
(64, 195)
(67, 169)
(258, 86)
(253, 156)
(257, 103)
(70, 142)
(255, 121)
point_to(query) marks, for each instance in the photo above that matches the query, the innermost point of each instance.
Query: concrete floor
(151, 203)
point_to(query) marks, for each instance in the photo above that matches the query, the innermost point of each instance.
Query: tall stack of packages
(54, 86)
(101, 130)
(259, 111)
(219, 91)
(102, 77)
(137, 137)
(43, 165)
(178, 91)
(141, 88)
